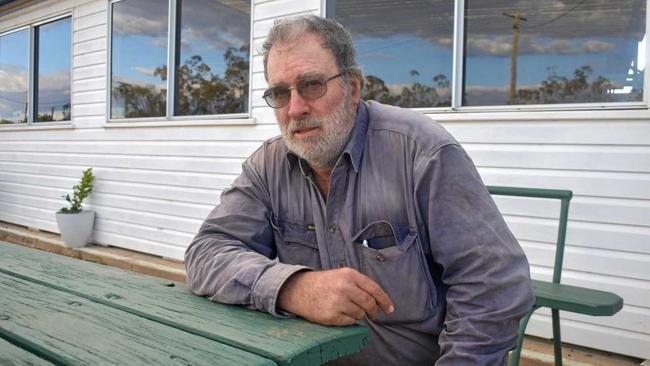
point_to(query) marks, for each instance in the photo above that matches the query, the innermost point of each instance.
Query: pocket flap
(295, 233)
(381, 234)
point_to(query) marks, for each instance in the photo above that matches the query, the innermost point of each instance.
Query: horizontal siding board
(545, 132)
(139, 244)
(98, 83)
(160, 206)
(88, 21)
(164, 163)
(603, 338)
(93, 45)
(64, 177)
(630, 318)
(213, 149)
(284, 7)
(612, 185)
(28, 221)
(91, 109)
(87, 34)
(93, 96)
(609, 262)
(593, 158)
(156, 234)
(88, 59)
(89, 8)
(589, 209)
(612, 237)
(89, 72)
(194, 133)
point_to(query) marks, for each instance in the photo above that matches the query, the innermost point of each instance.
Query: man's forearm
(227, 271)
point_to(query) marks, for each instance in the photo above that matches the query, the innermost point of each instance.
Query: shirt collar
(354, 147)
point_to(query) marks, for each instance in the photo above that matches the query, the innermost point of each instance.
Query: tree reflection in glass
(212, 57)
(139, 51)
(547, 51)
(405, 49)
(53, 71)
(14, 66)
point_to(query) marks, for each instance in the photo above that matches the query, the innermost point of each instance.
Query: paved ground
(537, 352)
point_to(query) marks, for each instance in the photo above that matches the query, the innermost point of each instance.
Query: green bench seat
(555, 295)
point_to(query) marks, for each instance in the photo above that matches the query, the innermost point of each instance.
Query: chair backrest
(564, 196)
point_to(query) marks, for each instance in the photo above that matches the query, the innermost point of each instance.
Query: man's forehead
(299, 57)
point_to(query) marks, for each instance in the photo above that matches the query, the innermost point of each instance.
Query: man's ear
(355, 88)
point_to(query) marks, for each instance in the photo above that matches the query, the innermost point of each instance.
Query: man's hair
(334, 38)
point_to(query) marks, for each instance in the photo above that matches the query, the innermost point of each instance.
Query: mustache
(298, 124)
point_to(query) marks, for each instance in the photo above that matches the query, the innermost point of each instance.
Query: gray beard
(324, 150)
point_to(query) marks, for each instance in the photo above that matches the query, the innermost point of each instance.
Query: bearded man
(362, 213)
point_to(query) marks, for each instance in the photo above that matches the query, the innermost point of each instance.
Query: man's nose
(298, 106)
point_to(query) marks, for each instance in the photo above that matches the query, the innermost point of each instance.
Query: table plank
(68, 329)
(11, 355)
(287, 341)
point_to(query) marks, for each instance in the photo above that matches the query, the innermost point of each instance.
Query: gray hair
(335, 38)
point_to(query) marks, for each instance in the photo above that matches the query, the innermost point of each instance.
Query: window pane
(405, 50)
(14, 61)
(139, 59)
(212, 57)
(53, 71)
(571, 51)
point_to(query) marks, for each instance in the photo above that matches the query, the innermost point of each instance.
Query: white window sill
(147, 122)
(38, 126)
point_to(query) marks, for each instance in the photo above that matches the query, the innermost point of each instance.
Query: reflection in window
(541, 52)
(14, 66)
(405, 50)
(53, 71)
(139, 58)
(212, 57)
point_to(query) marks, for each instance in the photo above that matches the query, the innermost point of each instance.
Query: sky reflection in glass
(53, 70)
(14, 67)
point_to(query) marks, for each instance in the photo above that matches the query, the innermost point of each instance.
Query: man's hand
(334, 297)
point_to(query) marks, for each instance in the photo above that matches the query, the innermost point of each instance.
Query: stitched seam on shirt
(432, 151)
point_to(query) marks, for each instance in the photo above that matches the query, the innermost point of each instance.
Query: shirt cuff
(267, 287)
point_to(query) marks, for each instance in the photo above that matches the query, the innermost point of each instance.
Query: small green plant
(79, 192)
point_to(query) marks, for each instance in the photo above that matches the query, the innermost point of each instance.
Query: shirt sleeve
(230, 259)
(476, 259)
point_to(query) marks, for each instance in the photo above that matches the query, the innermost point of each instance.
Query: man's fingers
(373, 289)
(365, 302)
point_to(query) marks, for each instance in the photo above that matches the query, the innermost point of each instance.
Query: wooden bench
(555, 295)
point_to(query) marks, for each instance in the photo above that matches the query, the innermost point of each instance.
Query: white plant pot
(76, 227)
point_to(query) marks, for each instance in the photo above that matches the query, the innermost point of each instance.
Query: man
(362, 213)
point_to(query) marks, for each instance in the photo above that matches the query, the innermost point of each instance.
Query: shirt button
(380, 257)
(333, 228)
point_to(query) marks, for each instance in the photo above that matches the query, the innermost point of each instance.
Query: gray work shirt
(407, 208)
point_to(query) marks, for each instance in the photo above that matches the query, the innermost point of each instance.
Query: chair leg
(557, 338)
(523, 323)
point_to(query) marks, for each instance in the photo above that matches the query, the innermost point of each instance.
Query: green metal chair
(555, 295)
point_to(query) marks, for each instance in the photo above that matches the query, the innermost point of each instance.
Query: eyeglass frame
(267, 93)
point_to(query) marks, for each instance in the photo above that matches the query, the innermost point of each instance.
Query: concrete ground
(536, 352)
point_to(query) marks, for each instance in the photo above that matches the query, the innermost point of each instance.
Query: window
(202, 70)
(52, 71)
(14, 68)
(44, 95)
(529, 52)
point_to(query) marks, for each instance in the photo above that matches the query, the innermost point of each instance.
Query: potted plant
(76, 224)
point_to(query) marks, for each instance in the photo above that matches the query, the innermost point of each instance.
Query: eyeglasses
(309, 88)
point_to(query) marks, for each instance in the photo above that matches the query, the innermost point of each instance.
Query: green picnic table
(56, 310)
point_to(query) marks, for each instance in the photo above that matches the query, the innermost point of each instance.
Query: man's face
(315, 130)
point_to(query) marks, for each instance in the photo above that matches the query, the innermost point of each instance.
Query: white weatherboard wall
(156, 182)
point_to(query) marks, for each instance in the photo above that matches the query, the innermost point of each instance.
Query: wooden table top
(56, 310)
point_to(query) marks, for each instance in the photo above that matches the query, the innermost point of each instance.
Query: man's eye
(280, 92)
(313, 83)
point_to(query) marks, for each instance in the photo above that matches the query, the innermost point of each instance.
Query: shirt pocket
(396, 262)
(296, 243)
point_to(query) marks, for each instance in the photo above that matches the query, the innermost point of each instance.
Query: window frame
(458, 53)
(31, 68)
(226, 118)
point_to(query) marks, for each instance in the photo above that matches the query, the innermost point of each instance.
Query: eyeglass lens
(312, 88)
